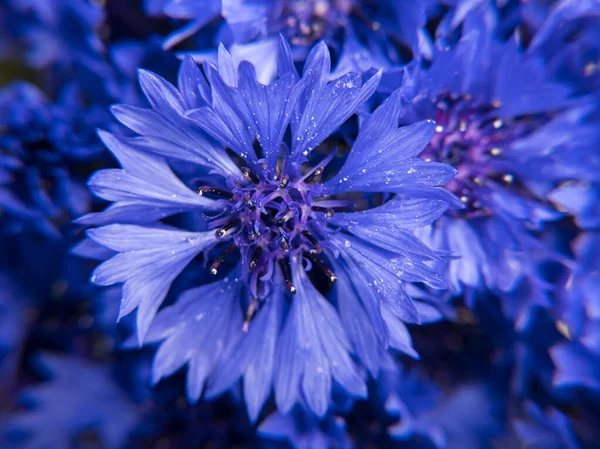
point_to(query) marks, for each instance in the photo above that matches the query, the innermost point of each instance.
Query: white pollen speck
(347, 243)
(411, 170)
(439, 128)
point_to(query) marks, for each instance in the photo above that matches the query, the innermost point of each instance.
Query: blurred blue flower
(274, 211)
(548, 429)
(425, 415)
(569, 40)
(513, 134)
(59, 33)
(577, 358)
(45, 149)
(80, 400)
(363, 33)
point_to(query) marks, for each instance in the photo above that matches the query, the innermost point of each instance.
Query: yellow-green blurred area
(11, 70)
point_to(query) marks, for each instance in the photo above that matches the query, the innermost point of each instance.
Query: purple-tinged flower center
(473, 138)
(270, 218)
(308, 20)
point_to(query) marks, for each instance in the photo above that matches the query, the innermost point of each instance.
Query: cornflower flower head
(44, 146)
(513, 134)
(61, 33)
(281, 226)
(368, 32)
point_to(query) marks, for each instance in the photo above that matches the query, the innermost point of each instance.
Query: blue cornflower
(363, 33)
(44, 147)
(79, 397)
(60, 33)
(513, 134)
(280, 227)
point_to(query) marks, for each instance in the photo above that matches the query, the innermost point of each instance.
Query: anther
(249, 175)
(314, 176)
(329, 212)
(498, 123)
(285, 180)
(495, 151)
(255, 258)
(226, 227)
(214, 267)
(508, 178)
(285, 245)
(286, 217)
(287, 275)
(319, 263)
(206, 189)
(247, 199)
(313, 241)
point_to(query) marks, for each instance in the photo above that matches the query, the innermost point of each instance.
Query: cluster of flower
(299, 223)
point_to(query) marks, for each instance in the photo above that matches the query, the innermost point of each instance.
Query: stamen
(250, 176)
(285, 180)
(226, 227)
(214, 267)
(255, 258)
(329, 212)
(206, 189)
(314, 176)
(313, 241)
(247, 199)
(286, 217)
(285, 245)
(287, 275)
(319, 263)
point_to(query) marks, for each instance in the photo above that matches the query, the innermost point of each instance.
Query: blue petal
(312, 349)
(253, 358)
(384, 161)
(326, 106)
(196, 330)
(149, 260)
(144, 190)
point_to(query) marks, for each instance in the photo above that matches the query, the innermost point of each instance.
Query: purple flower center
(473, 138)
(308, 20)
(270, 218)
